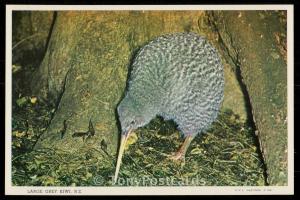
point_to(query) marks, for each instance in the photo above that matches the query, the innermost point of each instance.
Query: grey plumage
(177, 76)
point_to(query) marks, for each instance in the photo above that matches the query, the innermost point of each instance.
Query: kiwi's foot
(177, 157)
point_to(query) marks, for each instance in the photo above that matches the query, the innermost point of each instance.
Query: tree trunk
(85, 68)
(256, 42)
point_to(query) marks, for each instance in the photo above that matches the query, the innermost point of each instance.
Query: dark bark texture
(255, 41)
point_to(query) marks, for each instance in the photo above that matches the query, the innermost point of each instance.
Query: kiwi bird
(176, 76)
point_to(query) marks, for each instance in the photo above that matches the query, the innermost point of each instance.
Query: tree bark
(256, 42)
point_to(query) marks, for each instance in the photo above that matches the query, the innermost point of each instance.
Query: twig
(23, 40)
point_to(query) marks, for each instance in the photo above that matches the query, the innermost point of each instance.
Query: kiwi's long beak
(124, 138)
